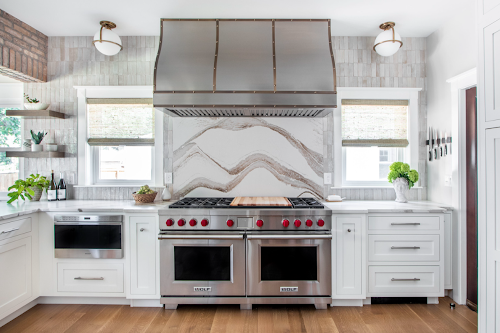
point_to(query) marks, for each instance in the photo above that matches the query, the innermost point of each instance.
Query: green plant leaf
(30, 191)
(11, 200)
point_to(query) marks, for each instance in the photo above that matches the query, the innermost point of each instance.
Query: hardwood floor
(370, 318)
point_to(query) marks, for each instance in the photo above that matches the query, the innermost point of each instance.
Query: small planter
(36, 147)
(401, 187)
(38, 193)
(144, 198)
(36, 106)
(27, 145)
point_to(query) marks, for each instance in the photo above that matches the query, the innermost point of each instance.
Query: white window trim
(410, 94)
(85, 167)
(13, 103)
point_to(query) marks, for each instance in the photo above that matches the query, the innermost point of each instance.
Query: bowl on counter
(36, 106)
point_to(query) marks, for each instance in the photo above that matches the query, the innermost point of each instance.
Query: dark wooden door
(471, 179)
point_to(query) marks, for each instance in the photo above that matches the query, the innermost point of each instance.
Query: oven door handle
(289, 236)
(200, 236)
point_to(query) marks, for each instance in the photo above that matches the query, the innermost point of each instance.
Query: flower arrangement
(402, 170)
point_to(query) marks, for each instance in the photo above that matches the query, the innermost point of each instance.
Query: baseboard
(145, 303)
(17, 313)
(83, 300)
(347, 302)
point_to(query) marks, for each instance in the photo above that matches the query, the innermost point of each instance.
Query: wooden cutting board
(261, 202)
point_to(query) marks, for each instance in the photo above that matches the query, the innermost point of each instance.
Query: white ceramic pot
(401, 187)
(38, 193)
(36, 106)
(27, 145)
(35, 147)
(50, 147)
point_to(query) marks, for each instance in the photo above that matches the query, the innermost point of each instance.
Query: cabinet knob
(142, 229)
(348, 230)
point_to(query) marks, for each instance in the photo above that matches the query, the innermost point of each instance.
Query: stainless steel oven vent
(245, 68)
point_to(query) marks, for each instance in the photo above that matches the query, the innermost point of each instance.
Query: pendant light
(106, 41)
(389, 41)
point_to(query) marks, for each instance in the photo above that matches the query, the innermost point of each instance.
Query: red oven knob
(181, 222)
(321, 223)
(170, 222)
(285, 223)
(297, 223)
(192, 222)
(204, 222)
(309, 223)
(260, 223)
(230, 223)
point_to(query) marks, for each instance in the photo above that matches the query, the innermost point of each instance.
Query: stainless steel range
(214, 253)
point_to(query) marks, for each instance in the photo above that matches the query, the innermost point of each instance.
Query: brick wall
(23, 50)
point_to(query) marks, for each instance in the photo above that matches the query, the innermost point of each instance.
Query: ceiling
(414, 18)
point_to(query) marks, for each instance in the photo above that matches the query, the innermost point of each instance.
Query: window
(121, 134)
(372, 128)
(10, 137)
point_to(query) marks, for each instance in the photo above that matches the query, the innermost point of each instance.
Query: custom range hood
(245, 68)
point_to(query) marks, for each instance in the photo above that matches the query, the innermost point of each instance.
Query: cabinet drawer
(15, 228)
(403, 223)
(94, 278)
(403, 248)
(403, 280)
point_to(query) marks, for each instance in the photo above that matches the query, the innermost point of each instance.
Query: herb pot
(36, 147)
(401, 187)
(38, 193)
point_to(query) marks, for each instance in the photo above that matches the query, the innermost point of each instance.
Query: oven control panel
(234, 222)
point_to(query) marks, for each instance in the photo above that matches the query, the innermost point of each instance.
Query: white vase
(36, 147)
(401, 187)
(166, 194)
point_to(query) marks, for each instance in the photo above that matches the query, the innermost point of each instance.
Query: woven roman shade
(367, 123)
(117, 122)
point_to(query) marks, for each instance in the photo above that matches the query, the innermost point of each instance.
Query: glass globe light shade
(387, 46)
(105, 47)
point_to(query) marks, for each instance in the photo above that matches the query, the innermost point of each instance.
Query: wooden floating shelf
(34, 114)
(36, 154)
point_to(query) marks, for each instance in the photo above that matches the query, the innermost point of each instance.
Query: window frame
(87, 164)
(13, 103)
(411, 152)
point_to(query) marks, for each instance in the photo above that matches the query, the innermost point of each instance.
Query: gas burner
(203, 203)
(305, 203)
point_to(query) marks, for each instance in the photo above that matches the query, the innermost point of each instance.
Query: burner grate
(308, 203)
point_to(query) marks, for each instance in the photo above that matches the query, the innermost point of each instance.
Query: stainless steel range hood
(245, 68)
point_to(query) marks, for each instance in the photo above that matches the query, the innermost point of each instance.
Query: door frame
(459, 84)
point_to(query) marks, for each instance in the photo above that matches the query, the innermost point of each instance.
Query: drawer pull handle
(415, 279)
(7, 231)
(89, 278)
(142, 229)
(405, 247)
(407, 223)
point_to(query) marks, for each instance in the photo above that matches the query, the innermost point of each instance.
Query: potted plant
(37, 140)
(30, 188)
(34, 104)
(144, 195)
(402, 178)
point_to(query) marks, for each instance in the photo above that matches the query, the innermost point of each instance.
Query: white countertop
(74, 206)
(129, 206)
(371, 206)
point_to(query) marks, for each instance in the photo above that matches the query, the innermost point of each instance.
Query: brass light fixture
(106, 41)
(389, 41)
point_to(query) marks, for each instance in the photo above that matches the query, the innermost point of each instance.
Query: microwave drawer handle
(410, 223)
(8, 231)
(289, 236)
(89, 278)
(415, 279)
(200, 237)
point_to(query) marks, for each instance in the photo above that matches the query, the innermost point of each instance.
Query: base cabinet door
(348, 267)
(143, 238)
(15, 274)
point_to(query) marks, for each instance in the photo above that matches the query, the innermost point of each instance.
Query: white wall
(451, 50)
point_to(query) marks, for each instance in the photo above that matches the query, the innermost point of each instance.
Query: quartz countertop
(129, 206)
(371, 206)
(17, 208)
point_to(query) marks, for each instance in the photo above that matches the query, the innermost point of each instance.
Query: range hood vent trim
(175, 69)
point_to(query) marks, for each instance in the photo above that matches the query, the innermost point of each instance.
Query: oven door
(208, 264)
(289, 265)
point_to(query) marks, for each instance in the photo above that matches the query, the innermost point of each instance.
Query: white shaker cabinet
(143, 233)
(16, 274)
(349, 262)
